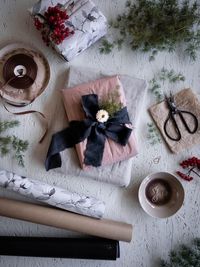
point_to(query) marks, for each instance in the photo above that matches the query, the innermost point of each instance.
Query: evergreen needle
(152, 26)
(184, 256)
(12, 144)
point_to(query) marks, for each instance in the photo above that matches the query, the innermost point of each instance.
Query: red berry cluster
(53, 25)
(185, 176)
(192, 164)
(38, 24)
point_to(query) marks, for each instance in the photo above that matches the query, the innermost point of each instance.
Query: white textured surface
(152, 238)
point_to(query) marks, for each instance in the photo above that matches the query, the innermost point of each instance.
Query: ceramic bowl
(173, 204)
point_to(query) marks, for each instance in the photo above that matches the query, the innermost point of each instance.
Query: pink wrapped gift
(113, 152)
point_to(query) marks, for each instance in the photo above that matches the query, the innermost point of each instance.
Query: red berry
(184, 176)
(51, 18)
(38, 24)
(56, 18)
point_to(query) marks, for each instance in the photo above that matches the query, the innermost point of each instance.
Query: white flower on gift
(102, 116)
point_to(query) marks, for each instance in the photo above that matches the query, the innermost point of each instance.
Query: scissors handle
(181, 112)
(171, 117)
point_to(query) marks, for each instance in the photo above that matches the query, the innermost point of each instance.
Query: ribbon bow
(96, 133)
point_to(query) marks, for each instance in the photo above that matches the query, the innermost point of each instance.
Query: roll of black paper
(75, 248)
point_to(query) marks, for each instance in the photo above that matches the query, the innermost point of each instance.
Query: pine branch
(153, 134)
(162, 76)
(185, 255)
(153, 26)
(19, 146)
(106, 47)
(4, 145)
(5, 125)
(170, 75)
(9, 144)
(155, 88)
(112, 103)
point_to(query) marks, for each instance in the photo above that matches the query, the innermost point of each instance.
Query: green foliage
(155, 88)
(153, 134)
(4, 125)
(164, 75)
(19, 146)
(111, 104)
(12, 143)
(184, 256)
(170, 75)
(106, 47)
(152, 26)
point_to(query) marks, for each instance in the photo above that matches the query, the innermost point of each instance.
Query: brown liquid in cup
(158, 191)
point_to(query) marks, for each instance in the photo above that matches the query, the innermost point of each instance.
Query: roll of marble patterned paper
(52, 195)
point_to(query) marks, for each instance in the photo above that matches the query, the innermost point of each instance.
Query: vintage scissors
(173, 111)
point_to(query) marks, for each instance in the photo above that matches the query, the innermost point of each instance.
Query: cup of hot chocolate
(161, 194)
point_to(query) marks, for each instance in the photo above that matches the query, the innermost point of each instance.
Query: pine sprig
(12, 144)
(193, 45)
(106, 47)
(152, 26)
(162, 76)
(111, 104)
(153, 134)
(5, 125)
(155, 88)
(170, 75)
(4, 145)
(19, 146)
(185, 255)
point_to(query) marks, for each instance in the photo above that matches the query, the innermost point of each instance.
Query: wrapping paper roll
(76, 248)
(52, 195)
(65, 220)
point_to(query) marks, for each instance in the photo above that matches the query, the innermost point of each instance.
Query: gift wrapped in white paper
(87, 22)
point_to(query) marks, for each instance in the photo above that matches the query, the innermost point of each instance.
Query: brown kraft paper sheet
(185, 100)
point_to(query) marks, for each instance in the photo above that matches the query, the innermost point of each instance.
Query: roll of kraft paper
(75, 248)
(52, 195)
(65, 220)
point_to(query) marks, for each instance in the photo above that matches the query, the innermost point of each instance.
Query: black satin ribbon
(95, 132)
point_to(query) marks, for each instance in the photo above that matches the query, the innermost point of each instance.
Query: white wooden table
(152, 238)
